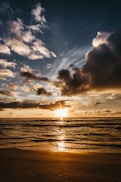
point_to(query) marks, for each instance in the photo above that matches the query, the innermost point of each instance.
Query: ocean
(69, 135)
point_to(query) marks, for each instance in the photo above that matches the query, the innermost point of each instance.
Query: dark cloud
(72, 83)
(102, 70)
(30, 104)
(97, 103)
(32, 76)
(18, 105)
(29, 74)
(42, 91)
(55, 105)
(5, 92)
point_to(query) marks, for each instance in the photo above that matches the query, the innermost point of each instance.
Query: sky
(60, 54)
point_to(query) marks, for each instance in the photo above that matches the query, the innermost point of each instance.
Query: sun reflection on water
(61, 136)
(61, 146)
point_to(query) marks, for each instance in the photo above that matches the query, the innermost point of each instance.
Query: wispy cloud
(72, 57)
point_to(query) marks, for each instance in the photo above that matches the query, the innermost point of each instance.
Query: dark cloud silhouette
(42, 91)
(55, 105)
(29, 74)
(72, 84)
(16, 105)
(30, 104)
(32, 76)
(5, 92)
(102, 70)
(97, 103)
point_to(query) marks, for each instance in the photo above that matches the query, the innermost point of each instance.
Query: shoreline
(18, 165)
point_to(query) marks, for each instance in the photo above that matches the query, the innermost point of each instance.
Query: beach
(35, 166)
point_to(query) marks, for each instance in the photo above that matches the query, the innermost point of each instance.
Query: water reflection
(61, 146)
(61, 135)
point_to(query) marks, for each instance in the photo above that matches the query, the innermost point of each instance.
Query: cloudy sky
(60, 53)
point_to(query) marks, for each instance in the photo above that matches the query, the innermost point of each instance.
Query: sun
(61, 112)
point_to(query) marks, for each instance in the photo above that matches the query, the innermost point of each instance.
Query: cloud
(6, 93)
(101, 38)
(4, 49)
(18, 29)
(104, 63)
(22, 38)
(39, 49)
(15, 27)
(55, 105)
(34, 28)
(74, 56)
(97, 103)
(24, 43)
(18, 105)
(4, 73)
(30, 74)
(13, 86)
(71, 84)
(25, 88)
(37, 13)
(4, 63)
(27, 36)
(102, 70)
(41, 91)
(30, 104)
(18, 46)
(49, 66)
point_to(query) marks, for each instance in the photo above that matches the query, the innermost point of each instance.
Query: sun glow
(61, 112)
(61, 146)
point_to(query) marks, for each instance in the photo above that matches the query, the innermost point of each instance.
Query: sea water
(71, 135)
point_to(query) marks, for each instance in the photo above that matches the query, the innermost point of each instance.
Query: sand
(35, 166)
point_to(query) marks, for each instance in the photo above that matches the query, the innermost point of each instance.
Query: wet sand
(35, 166)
